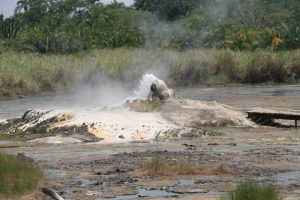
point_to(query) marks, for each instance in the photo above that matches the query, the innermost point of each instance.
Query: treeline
(66, 26)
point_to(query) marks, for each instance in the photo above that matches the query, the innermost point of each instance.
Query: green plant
(16, 176)
(250, 190)
(291, 35)
(9, 27)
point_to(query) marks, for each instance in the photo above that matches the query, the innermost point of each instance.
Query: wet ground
(111, 171)
(95, 171)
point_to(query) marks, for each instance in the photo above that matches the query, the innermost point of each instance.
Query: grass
(157, 166)
(17, 177)
(29, 73)
(250, 190)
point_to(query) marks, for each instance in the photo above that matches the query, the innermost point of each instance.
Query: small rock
(141, 195)
(213, 144)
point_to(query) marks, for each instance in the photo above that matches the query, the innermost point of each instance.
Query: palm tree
(22, 4)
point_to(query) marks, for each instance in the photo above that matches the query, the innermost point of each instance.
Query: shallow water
(145, 193)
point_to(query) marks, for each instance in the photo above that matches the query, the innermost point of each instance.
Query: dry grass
(157, 166)
(27, 73)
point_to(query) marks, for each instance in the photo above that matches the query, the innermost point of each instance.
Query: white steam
(101, 91)
(144, 86)
(98, 90)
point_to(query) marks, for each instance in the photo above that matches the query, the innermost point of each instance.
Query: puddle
(55, 174)
(163, 193)
(186, 182)
(214, 180)
(84, 182)
(144, 193)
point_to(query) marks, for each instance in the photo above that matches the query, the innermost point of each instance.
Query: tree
(22, 4)
(167, 9)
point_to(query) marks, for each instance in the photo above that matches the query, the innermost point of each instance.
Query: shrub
(250, 190)
(17, 177)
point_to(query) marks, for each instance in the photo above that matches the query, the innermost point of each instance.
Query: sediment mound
(192, 113)
(144, 120)
(41, 123)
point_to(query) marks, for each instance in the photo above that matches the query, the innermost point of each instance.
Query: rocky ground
(101, 153)
(100, 171)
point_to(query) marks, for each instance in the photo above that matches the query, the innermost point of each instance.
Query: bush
(17, 177)
(249, 190)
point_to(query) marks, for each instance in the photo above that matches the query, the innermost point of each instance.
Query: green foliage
(9, 27)
(250, 190)
(72, 25)
(112, 27)
(17, 177)
(246, 38)
(291, 35)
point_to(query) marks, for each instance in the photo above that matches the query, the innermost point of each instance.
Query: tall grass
(17, 177)
(249, 190)
(27, 73)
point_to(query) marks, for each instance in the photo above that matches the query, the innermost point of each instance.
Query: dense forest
(66, 26)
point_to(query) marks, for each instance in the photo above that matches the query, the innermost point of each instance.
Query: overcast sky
(7, 6)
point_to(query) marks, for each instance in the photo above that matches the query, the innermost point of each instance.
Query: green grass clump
(250, 190)
(16, 176)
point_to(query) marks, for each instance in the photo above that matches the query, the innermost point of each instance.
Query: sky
(7, 6)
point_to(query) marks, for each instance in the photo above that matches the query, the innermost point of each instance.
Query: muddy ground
(100, 171)
(223, 156)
